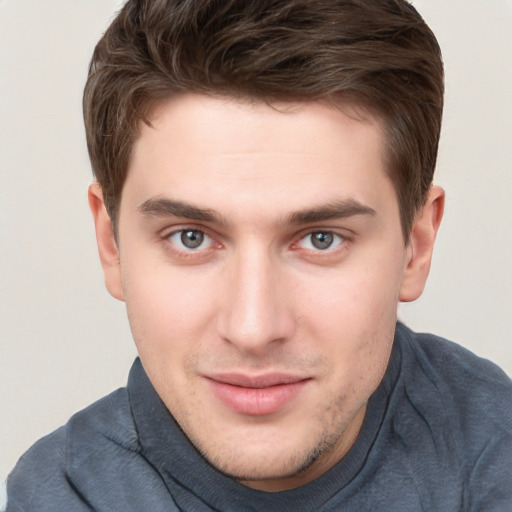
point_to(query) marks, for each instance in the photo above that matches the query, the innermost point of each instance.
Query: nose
(256, 311)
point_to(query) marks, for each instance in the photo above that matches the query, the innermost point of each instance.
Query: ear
(107, 246)
(421, 245)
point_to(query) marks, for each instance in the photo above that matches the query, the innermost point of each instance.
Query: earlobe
(421, 244)
(107, 246)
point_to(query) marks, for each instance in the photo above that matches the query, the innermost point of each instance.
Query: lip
(259, 395)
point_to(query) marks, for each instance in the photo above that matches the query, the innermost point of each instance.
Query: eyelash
(338, 239)
(340, 242)
(172, 247)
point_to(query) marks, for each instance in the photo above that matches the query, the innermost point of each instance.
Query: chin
(271, 466)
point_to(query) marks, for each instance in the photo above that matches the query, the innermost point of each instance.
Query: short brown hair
(377, 53)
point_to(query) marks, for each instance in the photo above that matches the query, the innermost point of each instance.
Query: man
(263, 201)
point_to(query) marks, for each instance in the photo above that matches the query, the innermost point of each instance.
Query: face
(261, 260)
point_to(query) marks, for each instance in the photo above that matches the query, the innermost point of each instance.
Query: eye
(190, 240)
(320, 241)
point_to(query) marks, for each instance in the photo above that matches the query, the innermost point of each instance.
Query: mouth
(256, 395)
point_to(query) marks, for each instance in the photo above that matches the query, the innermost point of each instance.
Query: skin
(257, 297)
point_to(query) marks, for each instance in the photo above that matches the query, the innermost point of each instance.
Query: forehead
(204, 148)
(215, 124)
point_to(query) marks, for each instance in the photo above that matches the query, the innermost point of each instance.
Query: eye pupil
(192, 239)
(322, 240)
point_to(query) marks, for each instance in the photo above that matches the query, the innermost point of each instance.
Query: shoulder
(467, 380)
(41, 478)
(464, 403)
(37, 468)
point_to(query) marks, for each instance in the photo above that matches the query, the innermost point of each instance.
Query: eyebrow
(169, 207)
(335, 210)
(344, 208)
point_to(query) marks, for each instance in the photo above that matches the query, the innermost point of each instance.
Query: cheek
(166, 308)
(352, 302)
(353, 314)
(169, 320)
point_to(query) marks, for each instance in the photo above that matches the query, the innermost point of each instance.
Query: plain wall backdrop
(65, 342)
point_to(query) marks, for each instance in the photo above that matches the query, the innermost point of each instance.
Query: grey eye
(191, 239)
(322, 240)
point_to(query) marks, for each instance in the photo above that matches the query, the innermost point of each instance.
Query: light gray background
(65, 342)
